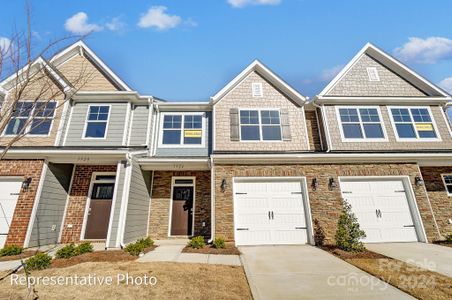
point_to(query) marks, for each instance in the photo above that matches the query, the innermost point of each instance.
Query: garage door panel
(289, 220)
(9, 194)
(397, 234)
(289, 237)
(252, 220)
(256, 237)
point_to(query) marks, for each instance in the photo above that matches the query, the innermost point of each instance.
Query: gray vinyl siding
(187, 151)
(51, 205)
(120, 177)
(115, 129)
(138, 204)
(139, 125)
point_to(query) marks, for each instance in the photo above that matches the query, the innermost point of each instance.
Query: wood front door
(99, 211)
(182, 211)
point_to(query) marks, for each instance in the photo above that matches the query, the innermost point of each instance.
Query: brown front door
(99, 211)
(182, 211)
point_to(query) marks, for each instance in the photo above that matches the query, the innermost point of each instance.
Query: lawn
(174, 281)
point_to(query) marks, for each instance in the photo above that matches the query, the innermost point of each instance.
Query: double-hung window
(361, 123)
(182, 129)
(31, 118)
(447, 179)
(413, 123)
(97, 121)
(260, 125)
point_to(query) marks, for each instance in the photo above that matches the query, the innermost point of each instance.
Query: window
(258, 125)
(361, 123)
(413, 123)
(97, 121)
(182, 129)
(372, 73)
(42, 114)
(256, 88)
(447, 179)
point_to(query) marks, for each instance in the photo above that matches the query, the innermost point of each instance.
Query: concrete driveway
(306, 272)
(428, 256)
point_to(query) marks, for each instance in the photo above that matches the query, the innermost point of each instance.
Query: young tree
(348, 233)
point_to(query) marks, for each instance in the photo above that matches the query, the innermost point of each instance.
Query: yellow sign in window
(193, 133)
(424, 127)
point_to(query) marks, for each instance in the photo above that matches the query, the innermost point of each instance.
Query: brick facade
(24, 207)
(441, 202)
(161, 200)
(325, 204)
(75, 210)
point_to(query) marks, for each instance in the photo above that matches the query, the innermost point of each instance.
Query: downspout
(325, 125)
(212, 200)
(125, 201)
(155, 135)
(150, 128)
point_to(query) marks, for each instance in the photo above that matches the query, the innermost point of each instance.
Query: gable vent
(256, 89)
(372, 72)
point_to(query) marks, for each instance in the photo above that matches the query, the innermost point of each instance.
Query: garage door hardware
(243, 229)
(298, 193)
(378, 213)
(399, 191)
(241, 193)
(408, 225)
(300, 227)
(271, 215)
(346, 192)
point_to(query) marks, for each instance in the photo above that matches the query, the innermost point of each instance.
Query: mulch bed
(229, 249)
(443, 243)
(24, 255)
(352, 255)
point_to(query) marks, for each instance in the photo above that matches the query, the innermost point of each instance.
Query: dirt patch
(446, 244)
(24, 255)
(229, 249)
(98, 256)
(351, 255)
(174, 281)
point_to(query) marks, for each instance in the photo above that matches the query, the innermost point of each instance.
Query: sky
(187, 50)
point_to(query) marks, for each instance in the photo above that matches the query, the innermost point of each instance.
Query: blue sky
(188, 49)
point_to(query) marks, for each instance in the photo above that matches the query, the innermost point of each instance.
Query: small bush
(319, 234)
(147, 242)
(38, 262)
(197, 242)
(134, 249)
(449, 238)
(83, 248)
(348, 233)
(66, 252)
(219, 243)
(11, 250)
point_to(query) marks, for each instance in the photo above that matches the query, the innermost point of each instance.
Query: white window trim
(28, 128)
(416, 139)
(181, 144)
(369, 71)
(364, 139)
(445, 184)
(174, 184)
(96, 121)
(260, 125)
(260, 87)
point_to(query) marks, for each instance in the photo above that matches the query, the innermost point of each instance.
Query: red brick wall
(77, 200)
(23, 168)
(441, 202)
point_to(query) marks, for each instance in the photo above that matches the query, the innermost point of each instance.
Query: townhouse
(257, 164)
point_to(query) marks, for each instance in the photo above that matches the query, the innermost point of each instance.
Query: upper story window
(30, 118)
(97, 121)
(413, 123)
(372, 74)
(361, 123)
(447, 179)
(256, 89)
(260, 125)
(182, 129)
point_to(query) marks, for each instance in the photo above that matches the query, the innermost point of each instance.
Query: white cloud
(157, 18)
(243, 3)
(115, 24)
(330, 73)
(5, 43)
(78, 24)
(446, 84)
(425, 51)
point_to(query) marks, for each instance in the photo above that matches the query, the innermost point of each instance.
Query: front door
(99, 211)
(182, 211)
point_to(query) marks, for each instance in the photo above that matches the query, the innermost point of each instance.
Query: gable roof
(394, 65)
(81, 47)
(265, 72)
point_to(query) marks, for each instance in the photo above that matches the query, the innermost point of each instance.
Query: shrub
(83, 248)
(147, 242)
(319, 234)
(134, 248)
(11, 250)
(197, 242)
(66, 252)
(219, 243)
(38, 262)
(348, 233)
(449, 238)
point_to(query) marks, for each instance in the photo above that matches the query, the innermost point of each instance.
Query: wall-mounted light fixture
(223, 185)
(26, 184)
(314, 184)
(418, 181)
(331, 183)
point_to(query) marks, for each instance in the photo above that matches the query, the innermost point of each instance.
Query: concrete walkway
(172, 251)
(428, 256)
(306, 272)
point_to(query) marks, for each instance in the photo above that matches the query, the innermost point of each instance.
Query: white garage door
(382, 209)
(9, 193)
(269, 212)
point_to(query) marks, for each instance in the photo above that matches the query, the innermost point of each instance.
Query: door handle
(376, 212)
(379, 211)
(269, 215)
(273, 216)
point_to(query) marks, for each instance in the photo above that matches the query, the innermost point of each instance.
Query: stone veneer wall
(441, 202)
(24, 207)
(325, 204)
(75, 210)
(161, 200)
